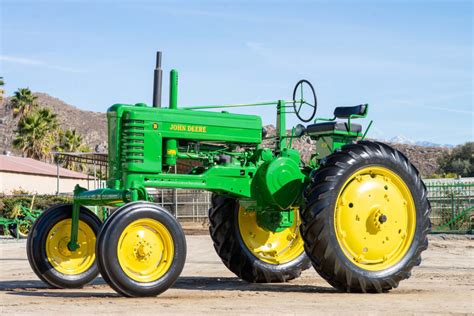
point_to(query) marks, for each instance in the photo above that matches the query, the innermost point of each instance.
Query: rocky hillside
(424, 158)
(93, 127)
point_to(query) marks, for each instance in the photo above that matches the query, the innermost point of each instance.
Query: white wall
(39, 184)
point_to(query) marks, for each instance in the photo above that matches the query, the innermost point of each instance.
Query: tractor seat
(332, 126)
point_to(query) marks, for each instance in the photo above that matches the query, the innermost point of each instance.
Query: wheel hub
(143, 250)
(275, 247)
(377, 220)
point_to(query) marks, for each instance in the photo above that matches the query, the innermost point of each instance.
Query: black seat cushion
(346, 111)
(332, 126)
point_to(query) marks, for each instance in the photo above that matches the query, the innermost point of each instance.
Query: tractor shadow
(198, 283)
(40, 289)
(37, 288)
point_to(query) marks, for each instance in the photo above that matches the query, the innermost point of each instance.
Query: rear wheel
(141, 250)
(366, 218)
(254, 253)
(48, 252)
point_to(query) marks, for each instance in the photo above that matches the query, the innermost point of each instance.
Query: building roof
(31, 166)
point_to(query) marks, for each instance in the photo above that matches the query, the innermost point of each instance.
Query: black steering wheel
(300, 103)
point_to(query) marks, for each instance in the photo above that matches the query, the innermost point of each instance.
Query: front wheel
(48, 253)
(366, 218)
(141, 250)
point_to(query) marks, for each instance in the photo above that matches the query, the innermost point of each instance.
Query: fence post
(57, 175)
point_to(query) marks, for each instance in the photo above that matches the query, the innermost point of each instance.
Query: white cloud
(421, 103)
(38, 63)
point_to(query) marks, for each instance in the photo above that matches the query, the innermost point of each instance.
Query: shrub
(42, 202)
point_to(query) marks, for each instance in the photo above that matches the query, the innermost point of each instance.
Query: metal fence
(452, 204)
(185, 205)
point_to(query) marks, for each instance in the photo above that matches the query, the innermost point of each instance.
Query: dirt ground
(443, 284)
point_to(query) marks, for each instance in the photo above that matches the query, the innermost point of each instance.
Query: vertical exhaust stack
(157, 82)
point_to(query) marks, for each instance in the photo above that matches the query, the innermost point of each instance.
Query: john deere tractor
(357, 211)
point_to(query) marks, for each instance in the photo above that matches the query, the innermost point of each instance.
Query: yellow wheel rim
(23, 229)
(271, 247)
(145, 250)
(59, 255)
(375, 218)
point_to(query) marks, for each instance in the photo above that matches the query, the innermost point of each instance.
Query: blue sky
(410, 60)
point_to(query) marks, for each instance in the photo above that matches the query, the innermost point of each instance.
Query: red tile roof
(31, 166)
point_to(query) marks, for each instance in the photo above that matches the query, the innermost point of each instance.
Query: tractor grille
(133, 141)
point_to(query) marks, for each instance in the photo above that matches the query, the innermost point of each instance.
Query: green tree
(460, 161)
(70, 141)
(36, 134)
(23, 102)
(2, 83)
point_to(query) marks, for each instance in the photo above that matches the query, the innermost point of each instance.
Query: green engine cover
(144, 139)
(278, 183)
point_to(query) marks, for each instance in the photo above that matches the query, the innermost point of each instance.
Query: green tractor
(357, 211)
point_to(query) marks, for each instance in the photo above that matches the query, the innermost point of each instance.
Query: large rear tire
(366, 218)
(251, 259)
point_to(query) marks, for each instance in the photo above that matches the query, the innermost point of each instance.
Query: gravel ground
(443, 284)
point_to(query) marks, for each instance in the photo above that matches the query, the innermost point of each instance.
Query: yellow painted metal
(145, 250)
(58, 254)
(375, 218)
(271, 247)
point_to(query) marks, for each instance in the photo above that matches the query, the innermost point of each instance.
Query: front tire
(242, 256)
(366, 218)
(142, 250)
(47, 250)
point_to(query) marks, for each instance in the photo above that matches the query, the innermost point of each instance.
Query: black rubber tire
(36, 249)
(99, 241)
(109, 236)
(318, 231)
(224, 230)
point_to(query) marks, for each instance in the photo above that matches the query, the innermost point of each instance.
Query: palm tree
(22, 102)
(2, 83)
(71, 141)
(36, 134)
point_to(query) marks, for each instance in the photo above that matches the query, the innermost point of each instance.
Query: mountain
(93, 127)
(424, 158)
(400, 139)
